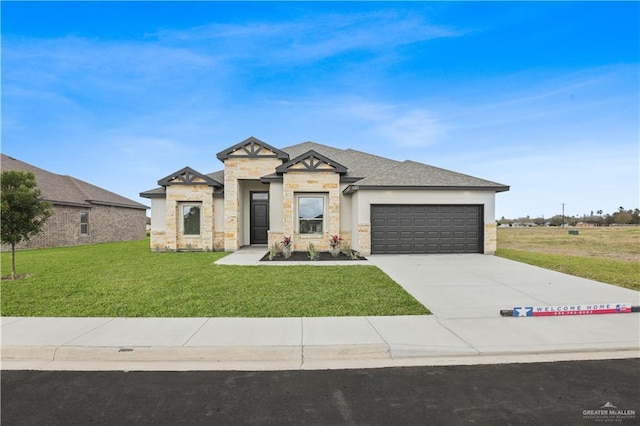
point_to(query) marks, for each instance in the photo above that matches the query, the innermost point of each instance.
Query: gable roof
(188, 176)
(368, 171)
(311, 161)
(67, 190)
(252, 147)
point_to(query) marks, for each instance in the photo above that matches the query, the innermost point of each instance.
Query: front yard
(127, 280)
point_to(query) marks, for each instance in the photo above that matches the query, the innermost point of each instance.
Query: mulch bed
(303, 256)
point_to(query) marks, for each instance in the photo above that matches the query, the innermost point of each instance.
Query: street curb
(272, 357)
(200, 353)
(156, 353)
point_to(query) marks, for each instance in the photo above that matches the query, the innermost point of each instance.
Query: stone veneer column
(364, 238)
(231, 210)
(490, 238)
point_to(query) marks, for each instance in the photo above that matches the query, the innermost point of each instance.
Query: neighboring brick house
(82, 213)
(312, 191)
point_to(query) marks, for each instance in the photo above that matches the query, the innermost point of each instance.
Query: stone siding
(236, 169)
(106, 224)
(490, 238)
(364, 238)
(172, 238)
(325, 183)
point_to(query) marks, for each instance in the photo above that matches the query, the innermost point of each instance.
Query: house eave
(67, 203)
(343, 179)
(126, 206)
(153, 195)
(353, 188)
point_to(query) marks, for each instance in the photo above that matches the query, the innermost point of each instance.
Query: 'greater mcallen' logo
(609, 413)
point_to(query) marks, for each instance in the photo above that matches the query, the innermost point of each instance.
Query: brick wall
(106, 224)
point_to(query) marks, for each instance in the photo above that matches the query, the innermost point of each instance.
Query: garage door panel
(426, 229)
(419, 222)
(433, 222)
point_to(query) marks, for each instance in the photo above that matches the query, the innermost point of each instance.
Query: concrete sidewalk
(465, 293)
(307, 343)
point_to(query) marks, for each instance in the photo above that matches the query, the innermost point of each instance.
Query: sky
(540, 96)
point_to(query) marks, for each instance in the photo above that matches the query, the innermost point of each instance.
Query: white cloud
(310, 38)
(413, 129)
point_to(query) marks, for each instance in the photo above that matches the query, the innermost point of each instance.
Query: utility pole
(563, 215)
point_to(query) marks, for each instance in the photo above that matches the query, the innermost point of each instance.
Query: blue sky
(541, 96)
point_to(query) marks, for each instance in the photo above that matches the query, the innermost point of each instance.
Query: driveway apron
(466, 293)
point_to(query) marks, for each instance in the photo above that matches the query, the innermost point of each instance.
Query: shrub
(273, 251)
(313, 252)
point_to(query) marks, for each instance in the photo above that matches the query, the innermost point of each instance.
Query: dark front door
(259, 217)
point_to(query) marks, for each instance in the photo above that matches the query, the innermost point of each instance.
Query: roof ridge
(85, 196)
(314, 143)
(29, 165)
(372, 155)
(451, 171)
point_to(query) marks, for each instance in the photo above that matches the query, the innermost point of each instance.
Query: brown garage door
(426, 229)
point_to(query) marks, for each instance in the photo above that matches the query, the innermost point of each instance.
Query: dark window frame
(309, 225)
(191, 228)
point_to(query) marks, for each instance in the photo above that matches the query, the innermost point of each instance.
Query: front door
(259, 217)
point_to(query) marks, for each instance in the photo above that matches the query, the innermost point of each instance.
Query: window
(84, 223)
(191, 219)
(310, 214)
(259, 195)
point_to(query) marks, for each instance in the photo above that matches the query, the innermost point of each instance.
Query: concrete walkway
(465, 293)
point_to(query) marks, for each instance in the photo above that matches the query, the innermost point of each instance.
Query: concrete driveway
(466, 293)
(478, 286)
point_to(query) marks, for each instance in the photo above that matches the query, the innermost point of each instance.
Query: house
(82, 213)
(311, 191)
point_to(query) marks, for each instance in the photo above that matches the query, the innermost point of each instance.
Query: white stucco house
(311, 191)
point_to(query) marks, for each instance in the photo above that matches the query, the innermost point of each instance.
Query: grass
(610, 255)
(127, 280)
(615, 243)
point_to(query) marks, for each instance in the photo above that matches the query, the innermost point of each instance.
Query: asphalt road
(536, 394)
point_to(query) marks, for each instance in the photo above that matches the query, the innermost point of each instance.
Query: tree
(623, 217)
(23, 210)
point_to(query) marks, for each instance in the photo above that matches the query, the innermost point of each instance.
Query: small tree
(23, 210)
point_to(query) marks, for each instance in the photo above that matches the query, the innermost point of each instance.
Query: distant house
(311, 191)
(82, 213)
(589, 223)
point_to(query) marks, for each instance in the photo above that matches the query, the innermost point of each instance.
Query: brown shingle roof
(67, 190)
(371, 171)
(378, 171)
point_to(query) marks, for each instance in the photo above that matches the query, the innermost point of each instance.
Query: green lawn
(617, 272)
(127, 280)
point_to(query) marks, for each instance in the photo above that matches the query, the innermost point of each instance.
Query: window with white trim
(311, 214)
(191, 214)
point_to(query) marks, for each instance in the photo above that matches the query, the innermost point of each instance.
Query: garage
(400, 229)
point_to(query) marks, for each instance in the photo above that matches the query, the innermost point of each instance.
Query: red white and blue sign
(582, 309)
